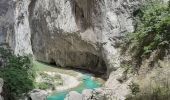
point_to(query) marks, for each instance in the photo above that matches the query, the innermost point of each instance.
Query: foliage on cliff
(152, 31)
(150, 42)
(18, 74)
(153, 28)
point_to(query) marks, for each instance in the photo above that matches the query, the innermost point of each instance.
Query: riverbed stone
(1, 85)
(73, 95)
(37, 94)
(87, 93)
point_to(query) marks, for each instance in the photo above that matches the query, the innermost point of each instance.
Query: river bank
(72, 80)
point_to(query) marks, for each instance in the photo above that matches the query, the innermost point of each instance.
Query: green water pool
(87, 83)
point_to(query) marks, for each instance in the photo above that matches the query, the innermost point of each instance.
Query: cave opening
(96, 67)
(52, 62)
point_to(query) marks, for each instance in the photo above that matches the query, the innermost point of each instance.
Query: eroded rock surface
(77, 33)
(80, 33)
(7, 22)
(64, 35)
(22, 29)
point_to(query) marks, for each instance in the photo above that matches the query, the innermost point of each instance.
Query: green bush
(48, 81)
(18, 74)
(152, 32)
(45, 85)
(134, 87)
(153, 27)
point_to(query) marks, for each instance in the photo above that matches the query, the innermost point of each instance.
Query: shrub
(153, 28)
(45, 86)
(18, 74)
(48, 81)
(134, 87)
(152, 33)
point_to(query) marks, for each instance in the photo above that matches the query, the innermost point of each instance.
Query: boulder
(1, 85)
(37, 94)
(73, 95)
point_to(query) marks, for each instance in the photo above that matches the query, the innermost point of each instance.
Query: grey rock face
(76, 33)
(14, 26)
(22, 29)
(64, 34)
(80, 33)
(7, 22)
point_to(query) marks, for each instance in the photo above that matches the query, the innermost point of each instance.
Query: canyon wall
(21, 27)
(75, 33)
(80, 33)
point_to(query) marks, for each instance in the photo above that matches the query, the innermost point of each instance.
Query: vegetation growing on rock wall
(150, 42)
(152, 32)
(134, 87)
(153, 29)
(18, 74)
(157, 93)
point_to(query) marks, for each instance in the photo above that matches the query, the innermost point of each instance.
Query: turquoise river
(87, 83)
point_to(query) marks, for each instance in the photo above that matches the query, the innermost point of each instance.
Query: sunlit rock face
(77, 33)
(64, 32)
(14, 26)
(22, 29)
(80, 33)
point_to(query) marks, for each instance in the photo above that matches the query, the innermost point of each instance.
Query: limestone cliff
(81, 33)
(22, 29)
(7, 22)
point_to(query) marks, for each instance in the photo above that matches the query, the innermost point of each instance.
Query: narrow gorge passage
(73, 80)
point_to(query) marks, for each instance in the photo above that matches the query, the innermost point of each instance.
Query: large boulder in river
(73, 95)
(87, 94)
(37, 94)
